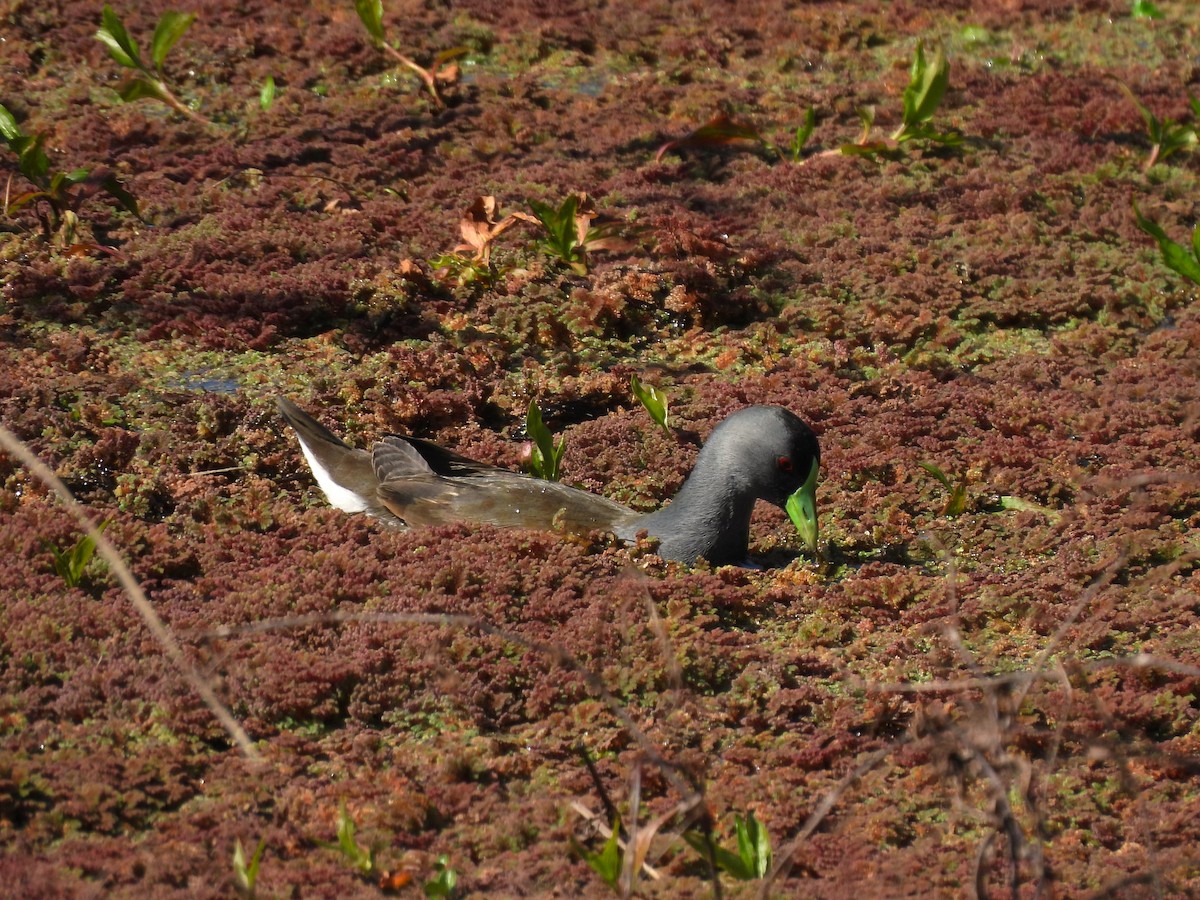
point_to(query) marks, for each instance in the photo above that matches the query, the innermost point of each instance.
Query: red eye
(784, 463)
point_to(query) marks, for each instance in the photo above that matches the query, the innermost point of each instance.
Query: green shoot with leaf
(444, 881)
(56, 192)
(753, 857)
(606, 862)
(149, 80)
(443, 71)
(927, 83)
(571, 232)
(1167, 137)
(654, 400)
(803, 133)
(266, 95)
(1184, 260)
(362, 858)
(245, 872)
(1145, 9)
(71, 565)
(956, 503)
(545, 457)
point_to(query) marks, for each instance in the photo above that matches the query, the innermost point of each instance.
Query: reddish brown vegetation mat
(1015, 686)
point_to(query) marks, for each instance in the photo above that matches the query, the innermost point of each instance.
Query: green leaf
(1153, 126)
(362, 859)
(937, 473)
(927, 85)
(804, 132)
(654, 400)
(371, 13)
(975, 34)
(117, 191)
(607, 862)
(171, 27)
(725, 860)
(545, 458)
(121, 45)
(561, 236)
(246, 871)
(1145, 9)
(31, 158)
(266, 96)
(443, 884)
(71, 565)
(139, 88)
(9, 127)
(754, 846)
(1176, 256)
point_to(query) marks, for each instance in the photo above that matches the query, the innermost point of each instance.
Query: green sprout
(1184, 260)
(245, 872)
(1145, 9)
(148, 82)
(362, 858)
(803, 133)
(442, 71)
(570, 232)
(654, 400)
(71, 565)
(753, 857)
(545, 457)
(606, 862)
(266, 96)
(956, 503)
(443, 883)
(927, 84)
(55, 192)
(1167, 137)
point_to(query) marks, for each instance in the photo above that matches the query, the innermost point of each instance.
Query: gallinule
(757, 453)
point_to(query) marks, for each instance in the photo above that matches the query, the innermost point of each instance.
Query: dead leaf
(716, 132)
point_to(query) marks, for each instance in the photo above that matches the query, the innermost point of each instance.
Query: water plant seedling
(545, 457)
(1167, 137)
(58, 192)
(444, 881)
(1178, 258)
(927, 83)
(147, 82)
(362, 858)
(245, 872)
(571, 232)
(444, 69)
(803, 132)
(71, 565)
(605, 862)
(753, 857)
(1145, 9)
(266, 95)
(654, 400)
(956, 503)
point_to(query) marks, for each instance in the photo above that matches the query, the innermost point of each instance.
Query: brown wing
(502, 498)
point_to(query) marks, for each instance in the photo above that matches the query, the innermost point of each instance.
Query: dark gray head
(757, 453)
(766, 451)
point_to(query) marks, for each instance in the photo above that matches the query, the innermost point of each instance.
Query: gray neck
(708, 518)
